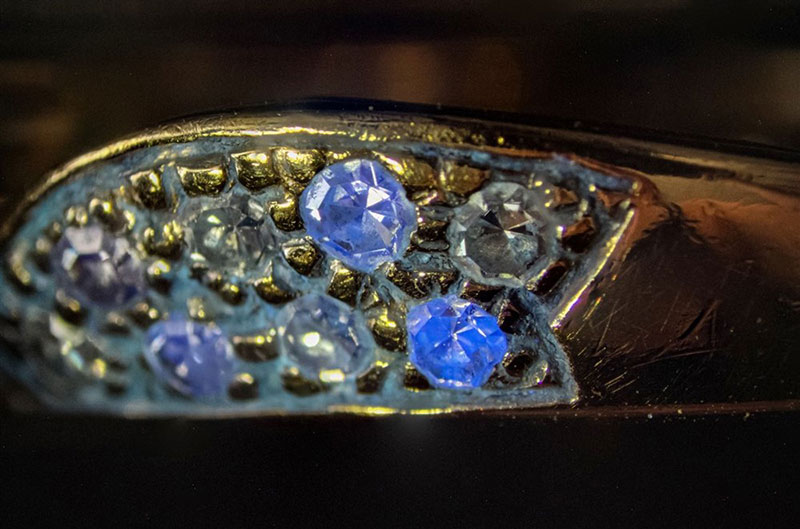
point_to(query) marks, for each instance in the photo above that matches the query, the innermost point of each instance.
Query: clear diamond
(358, 212)
(232, 237)
(321, 335)
(501, 232)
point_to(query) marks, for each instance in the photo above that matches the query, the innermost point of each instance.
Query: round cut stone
(94, 266)
(454, 343)
(501, 232)
(193, 358)
(232, 237)
(358, 212)
(323, 337)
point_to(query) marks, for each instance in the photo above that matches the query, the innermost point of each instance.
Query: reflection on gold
(747, 222)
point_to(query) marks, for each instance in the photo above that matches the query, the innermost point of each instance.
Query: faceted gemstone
(232, 237)
(454, 343)
(323, 337)
(96, 267)
(193, 358)
(499, 232)
(358, 212)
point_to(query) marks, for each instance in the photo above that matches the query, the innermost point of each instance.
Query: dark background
(75, 74)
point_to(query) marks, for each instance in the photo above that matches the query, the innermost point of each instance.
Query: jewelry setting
(294, 270)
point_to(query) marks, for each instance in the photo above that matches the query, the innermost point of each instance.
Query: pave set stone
(97, 267)
(454, 343)
(500, 233)
(232, 237)
(356, 212)
(324, 338)
(193, 358)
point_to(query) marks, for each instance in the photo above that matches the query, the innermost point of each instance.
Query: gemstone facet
(454, 342)
(193, 358)
(94, 266)
(358, 212)
(500, 233)
(232, 237)
(323, 337)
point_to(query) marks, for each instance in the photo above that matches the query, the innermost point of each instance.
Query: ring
(392, 259)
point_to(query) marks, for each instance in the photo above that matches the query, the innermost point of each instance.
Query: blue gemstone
(454, 343)
(323, 337)
(193, 358)
(94, 266)
(358, 212)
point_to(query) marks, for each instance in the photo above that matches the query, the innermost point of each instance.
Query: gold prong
(345, 283)
(296, 167)
(388, 327)
(243, 387)
(461, 179)
(230, 292)
(69, 308)
(144, 314)
(257, 347)
(208, 180)
(419, 284)
(270, 292)
(17, 271)
(413, 380)
(414, 174)
(254, 170)
(158, 275)
(148, 189)
(296, 383)
(301, 255)
(167, 243)
(370, 381)
(197, 307)
(285, 213)
(76, 216)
